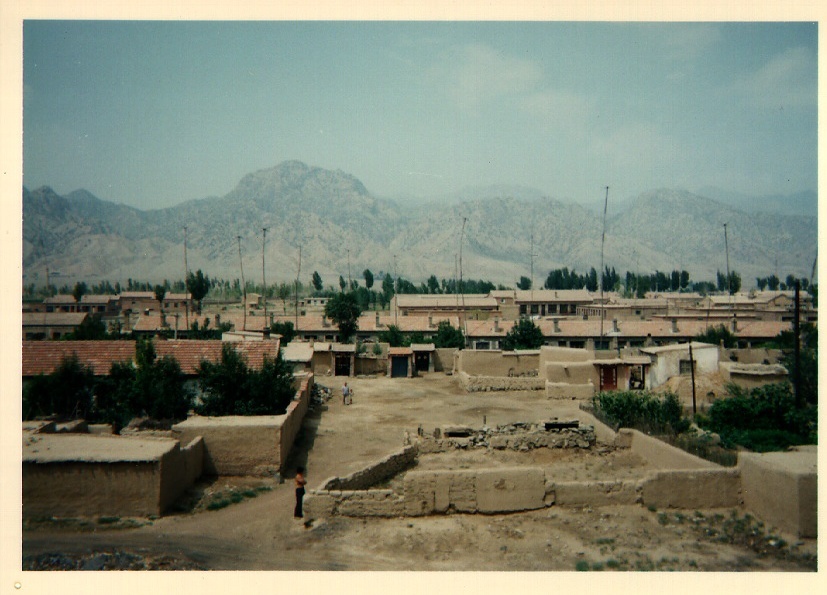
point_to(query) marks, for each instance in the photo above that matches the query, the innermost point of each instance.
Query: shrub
(641, 410)
(763, 419)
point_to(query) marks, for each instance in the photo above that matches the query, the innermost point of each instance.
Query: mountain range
(342, 229)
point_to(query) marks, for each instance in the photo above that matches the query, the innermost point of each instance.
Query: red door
(608, 377)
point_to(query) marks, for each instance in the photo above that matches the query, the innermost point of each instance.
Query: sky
(151, 114)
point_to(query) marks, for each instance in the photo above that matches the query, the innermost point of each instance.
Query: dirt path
(261, 534)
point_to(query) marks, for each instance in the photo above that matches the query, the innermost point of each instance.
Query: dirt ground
(260, 533)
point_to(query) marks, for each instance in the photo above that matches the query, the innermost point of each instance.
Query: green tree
(285, 329)
(198, 285)
(66, 392)
(160, 294)
(387, 288)
(343, 309)
(230, 387)
(448, 337)
(523, 335)
(433, 284)
(159, 388)
(317, 281)
(524, 283)
(368, 278)
(80, 290)
(393, 336)
(91, 329)
(715, 334)
(684, 280)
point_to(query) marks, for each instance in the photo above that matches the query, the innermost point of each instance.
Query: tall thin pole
(602, 245)
(243, 287)
(461, 291)
(349, 280)
(263, 279)
(728, 277)
(799, 398)
(692, 373)
(395, 294)
(186, 280)
(298, 276)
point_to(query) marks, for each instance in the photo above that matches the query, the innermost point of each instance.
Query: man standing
(300, 483)
(345, 394)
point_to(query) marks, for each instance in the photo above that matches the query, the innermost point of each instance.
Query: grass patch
(218, 504)
(581, 566)
(108, 520)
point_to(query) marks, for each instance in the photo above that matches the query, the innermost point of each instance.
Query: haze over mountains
(337, 222)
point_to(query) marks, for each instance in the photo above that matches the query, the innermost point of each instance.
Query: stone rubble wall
(473, 384)
(496, 363)
(521, 437)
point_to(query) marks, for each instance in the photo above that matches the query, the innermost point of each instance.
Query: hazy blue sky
(153, 113)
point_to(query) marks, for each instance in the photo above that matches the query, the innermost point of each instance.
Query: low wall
(255, 445)
(693, 489)
(564, 390)
(443, 359)
(293, 419)
(484, 490)
(658, 453)
(782, 489)
(475, 384)
(498, 363)
(371, 475)
(179, 469)
(597, 493)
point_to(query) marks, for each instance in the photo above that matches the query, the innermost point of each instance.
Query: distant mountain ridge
(340, 225)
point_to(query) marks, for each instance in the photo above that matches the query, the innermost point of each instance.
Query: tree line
(157, 388)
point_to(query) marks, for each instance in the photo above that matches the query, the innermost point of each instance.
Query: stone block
(319, 505)
(597, 493)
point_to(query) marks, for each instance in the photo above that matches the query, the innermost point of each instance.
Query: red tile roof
(44, 357)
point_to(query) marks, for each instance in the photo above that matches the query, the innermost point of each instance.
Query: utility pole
(349, 280)
(298, 276)
(728, 277)
(263, 279)
(799, 398)
(602, 244)
(186, 282)
(395, 294)
(243, 287)
(461, 291)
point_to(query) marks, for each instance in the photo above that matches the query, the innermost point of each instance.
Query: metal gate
(608, 377)
(342, 367)
(399, 367)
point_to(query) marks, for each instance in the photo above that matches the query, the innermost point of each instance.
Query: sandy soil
(260, 533)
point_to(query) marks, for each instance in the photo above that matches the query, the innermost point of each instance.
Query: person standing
(345, 394)
(300, 483)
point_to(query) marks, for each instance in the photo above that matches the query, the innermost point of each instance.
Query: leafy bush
(641, 410)
(763, 419)
(66, 392)
(231, 388)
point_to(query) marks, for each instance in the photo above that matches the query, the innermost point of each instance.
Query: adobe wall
(474, 384)
(752, 356)
(696, 488)
(179, 469)
(371, 366)
(497, 363)
(660, 454)
(362, 479)
(782, 488)
(247, 445)
(444, 359)
(564, 354)
(597, 493)
(77, 489)
(292, 422)
(565, 390)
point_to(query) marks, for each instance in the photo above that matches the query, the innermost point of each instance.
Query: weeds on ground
(745, 531)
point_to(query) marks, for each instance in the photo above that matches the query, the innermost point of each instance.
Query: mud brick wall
(483, 490)
(179, 469)
(699, 488)
(660, 454)
(371, 475)
(782, 488)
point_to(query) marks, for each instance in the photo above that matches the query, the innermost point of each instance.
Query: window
(685, 367)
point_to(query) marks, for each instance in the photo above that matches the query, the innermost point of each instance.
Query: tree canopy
(198, 285)
(343, 309)
(523, 335)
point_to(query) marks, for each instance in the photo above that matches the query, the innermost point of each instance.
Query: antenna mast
(186, 281)
(728, 277)
(461, 291)
(298, 276)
